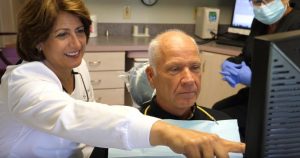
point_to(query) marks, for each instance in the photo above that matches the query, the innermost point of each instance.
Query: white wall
(164, 11)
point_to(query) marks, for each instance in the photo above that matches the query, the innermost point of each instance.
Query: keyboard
(230, 42)
(232, 39)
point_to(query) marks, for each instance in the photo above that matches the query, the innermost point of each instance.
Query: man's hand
(191, 143)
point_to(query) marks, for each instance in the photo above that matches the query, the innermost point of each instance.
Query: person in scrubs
(47, 108)
(270, 16)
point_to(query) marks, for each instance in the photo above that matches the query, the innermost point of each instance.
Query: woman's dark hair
(36, 20)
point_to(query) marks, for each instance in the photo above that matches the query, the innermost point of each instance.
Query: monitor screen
(273, 120)
(242, 17)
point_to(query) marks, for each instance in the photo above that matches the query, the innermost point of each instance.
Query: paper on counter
(227, 129)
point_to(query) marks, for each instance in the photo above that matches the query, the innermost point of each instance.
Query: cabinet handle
(203, 66)
(94, 63)
(99, 99)
(95, 82)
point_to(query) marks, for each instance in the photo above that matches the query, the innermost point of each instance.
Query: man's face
(178, 75)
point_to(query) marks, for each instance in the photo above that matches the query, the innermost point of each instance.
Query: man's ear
(150, 76)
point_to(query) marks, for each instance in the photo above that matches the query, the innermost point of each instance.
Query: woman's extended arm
(192, 144)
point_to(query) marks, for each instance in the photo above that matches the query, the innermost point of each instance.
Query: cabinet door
(105, 61)
(213, 87)
(105, 68)
(110, 96)
(8, 20)
(106, 79)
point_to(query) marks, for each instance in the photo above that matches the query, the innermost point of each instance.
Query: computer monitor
(242, 17)
(273, 119)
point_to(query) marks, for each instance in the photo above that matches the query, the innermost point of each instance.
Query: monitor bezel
(256, 113)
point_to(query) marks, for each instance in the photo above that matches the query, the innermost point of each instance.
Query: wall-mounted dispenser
(207, 20)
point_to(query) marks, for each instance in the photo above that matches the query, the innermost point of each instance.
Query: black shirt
(151, 108)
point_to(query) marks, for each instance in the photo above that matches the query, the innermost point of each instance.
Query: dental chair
(138, 85)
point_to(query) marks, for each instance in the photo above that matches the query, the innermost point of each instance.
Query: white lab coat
(38, 119)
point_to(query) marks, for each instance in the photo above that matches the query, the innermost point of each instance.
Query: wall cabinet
(8, 20)
(213, 87)
(105, 68)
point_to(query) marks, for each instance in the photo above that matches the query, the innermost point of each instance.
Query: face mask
(269, 13)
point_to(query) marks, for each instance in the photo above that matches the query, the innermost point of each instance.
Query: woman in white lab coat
(47, 107)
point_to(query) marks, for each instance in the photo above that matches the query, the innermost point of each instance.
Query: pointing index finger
(235, 147)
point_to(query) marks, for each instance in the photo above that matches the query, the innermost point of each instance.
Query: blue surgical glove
(230, 79)
(236, 73)
(230, 72)
(230, 66)
(245, 74)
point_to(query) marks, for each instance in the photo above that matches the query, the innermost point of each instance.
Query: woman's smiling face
(65, 45)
